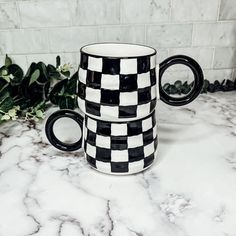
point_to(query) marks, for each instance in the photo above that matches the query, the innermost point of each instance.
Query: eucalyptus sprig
(28, 95)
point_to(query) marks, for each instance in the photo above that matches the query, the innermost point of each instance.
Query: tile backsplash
(38, 30)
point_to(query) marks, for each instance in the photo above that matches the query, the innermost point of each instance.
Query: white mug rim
(83, 50)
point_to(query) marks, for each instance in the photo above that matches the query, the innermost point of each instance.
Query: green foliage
(27, 96)
(184, 88)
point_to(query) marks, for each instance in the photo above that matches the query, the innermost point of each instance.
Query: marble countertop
(189, 191)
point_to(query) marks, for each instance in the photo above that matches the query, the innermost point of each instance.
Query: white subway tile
(228, 10)
(23, 41)
(225, 57)
(194, 10)
(220, 75)
(215, 34)
(8, 15)
(71, 39)
(176, 35)
(92, 12)
(148, 11)
(203, 56)
(44, 13)
(127, 34)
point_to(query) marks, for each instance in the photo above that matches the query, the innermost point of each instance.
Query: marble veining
(189, 191)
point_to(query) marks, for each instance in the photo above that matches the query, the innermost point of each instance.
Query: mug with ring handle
(117, 89)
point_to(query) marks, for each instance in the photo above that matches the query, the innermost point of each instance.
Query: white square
(111, 82)
(91, 150)
(154, 131)
(128, 98)
(82, 75)
(92, 125)
(147, 124)
(85, 133)
(153, 92)
(135, 141)
(128, 66)
(152, 62)
(81, 104)
(95, 64)
(93, 95)
(119, 155)
(109, 112)
(149, 149)
(103, 141)
(103, 166)
(118, 129)
(143, 110)
(144, 80)
(136, 166)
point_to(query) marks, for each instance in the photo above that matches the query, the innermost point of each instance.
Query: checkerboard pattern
(120, 148)
(115, 89)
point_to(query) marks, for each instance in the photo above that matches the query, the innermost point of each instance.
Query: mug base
(136, 170)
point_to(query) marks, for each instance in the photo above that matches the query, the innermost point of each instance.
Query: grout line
(218, 11)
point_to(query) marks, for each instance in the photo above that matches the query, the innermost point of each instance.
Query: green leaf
(72, 84)
(8, 61)
(58, 61)
(34, 76)
(6, 104)
(42, 67)
(67, 102)
(56, 90)
(66, 73)
(5, 117)
(17, 73)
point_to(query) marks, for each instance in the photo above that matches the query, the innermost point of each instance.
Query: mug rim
(117, 57)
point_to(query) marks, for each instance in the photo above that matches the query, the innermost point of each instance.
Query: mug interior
(118, 50)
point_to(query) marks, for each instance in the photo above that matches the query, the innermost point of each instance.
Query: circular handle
(50, 133)
(198, 80)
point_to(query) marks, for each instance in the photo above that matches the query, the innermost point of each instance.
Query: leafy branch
(27, 96)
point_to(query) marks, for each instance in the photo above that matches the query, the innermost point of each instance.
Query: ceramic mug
(118, 82)
(111, 147)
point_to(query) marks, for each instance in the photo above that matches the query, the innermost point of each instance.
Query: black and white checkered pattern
(120, 148)
(115, 89)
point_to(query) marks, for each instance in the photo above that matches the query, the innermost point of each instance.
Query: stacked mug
(118, 88)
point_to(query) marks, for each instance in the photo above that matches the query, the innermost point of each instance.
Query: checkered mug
(111, 147)
(118, 82)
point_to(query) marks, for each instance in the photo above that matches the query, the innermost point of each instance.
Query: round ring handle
(198, 80)
(50, 133)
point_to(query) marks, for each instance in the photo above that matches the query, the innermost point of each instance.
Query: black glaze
(51, 136)
(198, 80)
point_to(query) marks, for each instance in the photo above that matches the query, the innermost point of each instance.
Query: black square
(119, 167)
(83, 61)
(110, 66)
(81, 90)
(91, 137)
(111, 97)
(93, 79)
(153, 76)
(148, 160)
(153, 105)
(91, 160)
(103, 154)
(127, 111)
(93, 108)
(119, 142)
(155, 143)
(128, 83)
(144, 95)
(104, 128)
(134, 128)
(136, 154)
(143, 64)
(153, 119)
(148, 137)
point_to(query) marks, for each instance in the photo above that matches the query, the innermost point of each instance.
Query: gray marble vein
(189, 191)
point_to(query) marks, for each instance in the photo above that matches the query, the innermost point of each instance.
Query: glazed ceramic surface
(119, 82)
(120, 148)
